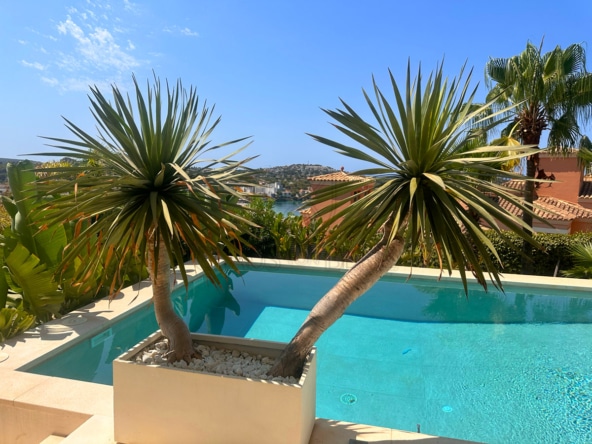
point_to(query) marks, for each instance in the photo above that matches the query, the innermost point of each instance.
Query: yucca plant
(148, 192)
(432, 184)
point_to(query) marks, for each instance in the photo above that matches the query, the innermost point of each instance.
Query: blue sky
(268, 66)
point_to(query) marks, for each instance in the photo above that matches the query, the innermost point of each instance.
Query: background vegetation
(33, 287)
(284, 237)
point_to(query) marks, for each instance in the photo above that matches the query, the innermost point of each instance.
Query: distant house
(325, 180)
(269, 190)
(564, 200)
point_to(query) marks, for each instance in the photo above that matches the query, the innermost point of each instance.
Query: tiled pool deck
(36, 408)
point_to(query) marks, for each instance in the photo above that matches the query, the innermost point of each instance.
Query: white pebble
(180, 364)
(215, 360)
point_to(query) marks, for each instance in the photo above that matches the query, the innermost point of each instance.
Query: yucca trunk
(331, 307)
(172, 325)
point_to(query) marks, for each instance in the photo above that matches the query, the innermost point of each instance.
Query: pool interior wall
(101, 314)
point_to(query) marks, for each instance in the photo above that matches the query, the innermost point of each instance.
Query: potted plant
(197, 406)
(143, 191)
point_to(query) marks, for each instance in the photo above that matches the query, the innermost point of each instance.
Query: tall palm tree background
(150, 188)
(550, 92)
(434, 187)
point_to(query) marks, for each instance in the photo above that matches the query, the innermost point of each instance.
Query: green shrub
(280, 236)
(5, 219)
(13, 321)
(284, 237)
(34, 287)
(554, 258)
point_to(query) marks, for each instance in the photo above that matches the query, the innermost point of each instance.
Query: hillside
(292, 177)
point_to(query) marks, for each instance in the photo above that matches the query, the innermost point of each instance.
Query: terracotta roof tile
(550, 208)
(338, 176)
(562, 210)
(517, 185)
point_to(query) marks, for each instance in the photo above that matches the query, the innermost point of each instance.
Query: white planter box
(156, 404)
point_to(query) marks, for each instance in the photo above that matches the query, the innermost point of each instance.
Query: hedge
(551, 260)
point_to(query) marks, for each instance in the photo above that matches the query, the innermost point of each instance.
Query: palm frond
(549, 90)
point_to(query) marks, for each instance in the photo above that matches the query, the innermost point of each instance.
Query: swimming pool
(495, 368)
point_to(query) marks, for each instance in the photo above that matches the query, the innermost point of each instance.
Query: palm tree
(551, 91)
(585, 154)
(147, 193)
(430, 187)
(582, 258)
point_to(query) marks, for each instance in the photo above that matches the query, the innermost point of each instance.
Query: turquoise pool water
(496, 368)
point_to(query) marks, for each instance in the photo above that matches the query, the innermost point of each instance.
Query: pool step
(96, 430)
(53, 439)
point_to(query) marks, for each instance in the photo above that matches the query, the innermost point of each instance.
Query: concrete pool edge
(45, 405)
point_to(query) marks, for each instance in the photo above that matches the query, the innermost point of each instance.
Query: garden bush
(34, 288)
(553, 259)
(284, 237)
